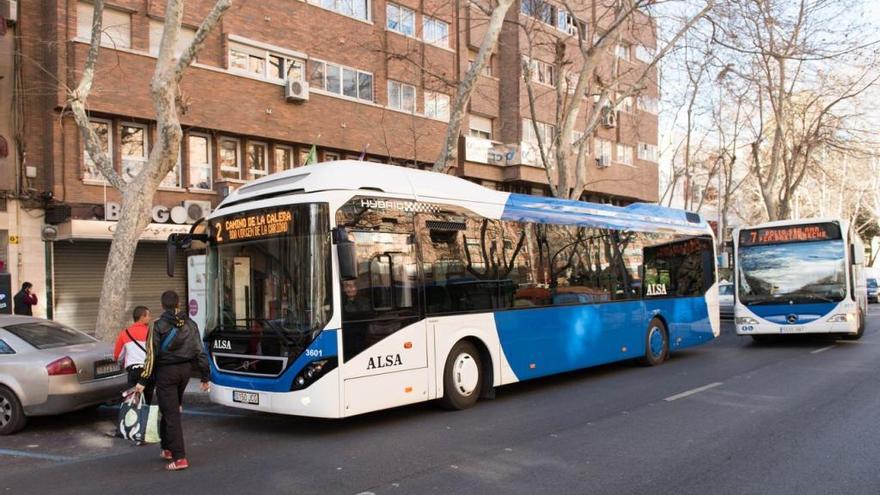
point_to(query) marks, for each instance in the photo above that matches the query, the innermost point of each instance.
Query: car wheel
(656, 344)
(462, 377)
(12, 418)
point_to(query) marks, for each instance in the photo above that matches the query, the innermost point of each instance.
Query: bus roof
(423, 186)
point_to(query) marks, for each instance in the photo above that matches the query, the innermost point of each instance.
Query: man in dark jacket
(25, 300)
(173, 348)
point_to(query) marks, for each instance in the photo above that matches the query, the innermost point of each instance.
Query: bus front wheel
(462, 377)
(861, 331)
(656, 344)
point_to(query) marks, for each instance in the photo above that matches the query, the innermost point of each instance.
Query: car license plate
(245, 397)
(106, 368)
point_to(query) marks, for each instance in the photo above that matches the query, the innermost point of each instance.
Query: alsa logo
(656, 289)
(223, 345)
(384, 361)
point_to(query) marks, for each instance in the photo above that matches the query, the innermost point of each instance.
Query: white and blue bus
(797, 277)
(347, 287)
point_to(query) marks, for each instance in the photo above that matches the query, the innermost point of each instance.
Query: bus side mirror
(171, 253)
(346, 253)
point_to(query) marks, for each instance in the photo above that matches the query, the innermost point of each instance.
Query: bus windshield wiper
(277, 329)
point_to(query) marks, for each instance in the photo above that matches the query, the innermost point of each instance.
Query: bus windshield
(798, 272)
(271, 270)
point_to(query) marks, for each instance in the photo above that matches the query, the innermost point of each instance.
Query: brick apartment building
(375, 79)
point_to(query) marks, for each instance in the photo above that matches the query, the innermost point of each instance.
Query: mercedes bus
(797, 277)
(347, 287)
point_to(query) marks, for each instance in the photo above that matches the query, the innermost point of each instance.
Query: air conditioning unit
(196, 210)
(609, 117)
(9, 10)
(603, 162)
(296, 90)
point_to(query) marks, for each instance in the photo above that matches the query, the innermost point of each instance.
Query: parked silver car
(725, 299)
(48, 368)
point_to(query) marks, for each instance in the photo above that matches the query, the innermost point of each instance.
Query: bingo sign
(253, 225)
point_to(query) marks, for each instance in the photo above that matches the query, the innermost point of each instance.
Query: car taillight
(63, 366)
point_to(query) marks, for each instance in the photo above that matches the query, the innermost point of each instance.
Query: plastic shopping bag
(138, 421)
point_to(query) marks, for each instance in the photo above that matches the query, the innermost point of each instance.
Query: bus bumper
(319, 400)
(824, 327)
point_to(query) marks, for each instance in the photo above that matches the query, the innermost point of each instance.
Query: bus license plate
(791, 329)
(245, 397)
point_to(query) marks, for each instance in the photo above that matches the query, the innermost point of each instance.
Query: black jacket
(184, 347)
(24, 303)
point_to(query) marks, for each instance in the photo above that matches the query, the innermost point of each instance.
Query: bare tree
(137, 194)
(585, 90)
(804, 64)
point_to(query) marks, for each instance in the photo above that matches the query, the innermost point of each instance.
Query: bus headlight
(746, 320)
(842, 318)
(312, 372)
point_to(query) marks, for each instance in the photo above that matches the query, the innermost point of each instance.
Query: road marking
(817, 351)
(691, 392)
(36, 455)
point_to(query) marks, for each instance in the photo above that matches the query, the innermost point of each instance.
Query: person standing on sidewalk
(131, 348)
(25, 300)
(174, 347)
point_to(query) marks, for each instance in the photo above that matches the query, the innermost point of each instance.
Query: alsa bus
(799, 276)
(347, 287)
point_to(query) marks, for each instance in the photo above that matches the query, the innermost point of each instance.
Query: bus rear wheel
(656, 344)
(462, 377)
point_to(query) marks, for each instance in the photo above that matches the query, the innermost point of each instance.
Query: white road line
(817, 351)
(35, 455)
(691, 392)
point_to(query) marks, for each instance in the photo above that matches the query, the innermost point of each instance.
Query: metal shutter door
(79, 273)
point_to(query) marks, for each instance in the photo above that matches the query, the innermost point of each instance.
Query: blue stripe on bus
(325, 342)
(637, 216)
(543, 341)
(778, 313)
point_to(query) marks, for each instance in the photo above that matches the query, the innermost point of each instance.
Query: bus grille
(250, 365)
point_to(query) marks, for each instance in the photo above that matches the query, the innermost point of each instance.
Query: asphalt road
(802, 416)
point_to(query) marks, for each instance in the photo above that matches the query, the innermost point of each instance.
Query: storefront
(79, 256)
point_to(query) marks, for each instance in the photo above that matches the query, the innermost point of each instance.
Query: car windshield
(48, 334)
(792, 272)
(725, 290)
(270, 270)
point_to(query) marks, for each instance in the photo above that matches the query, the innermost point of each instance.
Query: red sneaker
(165, 454)
(177, 465)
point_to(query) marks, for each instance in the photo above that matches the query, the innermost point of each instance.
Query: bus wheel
(462, 377)
(656, 344)
(764, 339)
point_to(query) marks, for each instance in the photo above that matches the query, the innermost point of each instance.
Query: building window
(199, 154)
(264, 64)
(625, 103)
(359, 9)
(648, 104)
(304, 155)
(541, 72)
(603, 150)
(330, 156)
(103, 128)
(257, 160)
(230, 162)
(283, 158)
(570, 25)
(115, 25)
(647, 152)
(622, 51)
(624, 154)
(644, 54)
(133, 148)
(540, 10)
(435, 31)
(341, 80)
(401, 96)
(173, 179)
(437, 105)
(184, 39)
(400, 19)
(479, 127)
(546, 132)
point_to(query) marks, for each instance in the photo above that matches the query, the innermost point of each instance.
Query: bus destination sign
(790, 233)
(253, 225)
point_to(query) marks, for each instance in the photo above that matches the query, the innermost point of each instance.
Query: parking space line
(35, 455)
(817, 351)
(692, 392)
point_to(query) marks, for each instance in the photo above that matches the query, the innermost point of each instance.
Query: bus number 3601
(314, 353)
